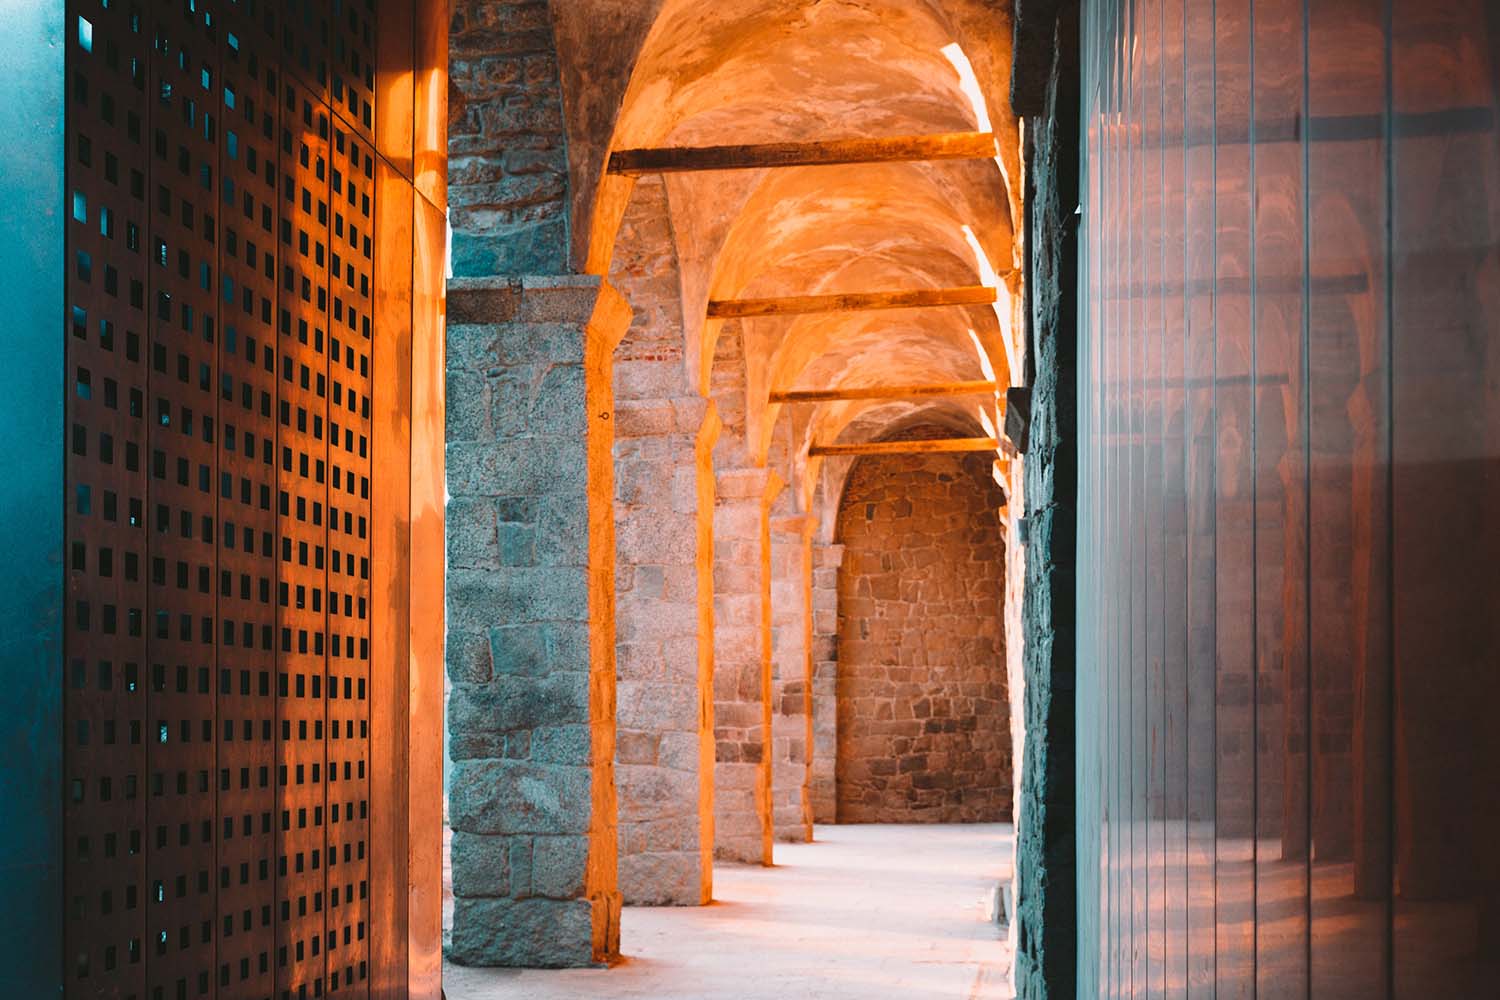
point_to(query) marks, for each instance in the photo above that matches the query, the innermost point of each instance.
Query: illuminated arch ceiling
(758, 71)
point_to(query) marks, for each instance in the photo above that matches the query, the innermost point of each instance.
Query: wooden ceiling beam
(932, 391)
(799, 305)
(831, 152)
(905, 447)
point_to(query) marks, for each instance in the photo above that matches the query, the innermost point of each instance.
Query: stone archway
(632, 626)
(922, 710)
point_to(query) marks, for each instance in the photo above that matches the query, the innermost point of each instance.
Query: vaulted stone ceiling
(688, 73)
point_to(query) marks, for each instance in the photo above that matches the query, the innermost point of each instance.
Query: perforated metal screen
(221, 188)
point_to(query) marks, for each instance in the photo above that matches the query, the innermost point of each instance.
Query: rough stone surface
(742, 772)
(741, 596)
(923, 733)
(664, 668)
(507, 149)
(481, 863)
(1046, 866)
(530, 933)
(822, 783)
(791, 674)
(530, 621)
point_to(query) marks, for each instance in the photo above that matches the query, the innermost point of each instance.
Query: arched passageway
(923, 734)
(711, 264)
(704, 258)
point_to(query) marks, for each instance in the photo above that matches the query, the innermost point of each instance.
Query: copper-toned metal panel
(303, 584)
(182, 525)
(351, 64)
(430, 127)
(391, 578)
(350, 335)
(425, 722)
(304, 30)
(105, 698)
(222, 425)
(395, 83)
(247, 490)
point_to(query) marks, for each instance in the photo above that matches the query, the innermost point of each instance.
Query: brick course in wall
(922, 729)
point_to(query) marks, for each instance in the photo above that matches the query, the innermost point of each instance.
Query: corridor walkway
(864, 913)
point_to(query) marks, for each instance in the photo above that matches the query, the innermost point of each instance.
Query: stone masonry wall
(923, 733)
(742, 712)
(822, 784)
(1044, 88)
(530, 643)
(664, 764)
(742, 771)
(507, 152)
(790, 669)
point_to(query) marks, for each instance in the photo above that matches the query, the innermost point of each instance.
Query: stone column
(531, 645)
(742, 707)
(791, 669)
(822, 786)
(664, 757)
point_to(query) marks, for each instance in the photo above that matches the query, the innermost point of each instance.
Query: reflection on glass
(1290, 499)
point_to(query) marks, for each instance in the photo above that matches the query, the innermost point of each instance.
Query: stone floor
(866, 912)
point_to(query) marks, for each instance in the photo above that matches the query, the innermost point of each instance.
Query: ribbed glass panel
(1289, 413)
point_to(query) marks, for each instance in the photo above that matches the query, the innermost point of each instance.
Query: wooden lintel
(895, 149)
(905, 447)
(885, 392)
(797, 305)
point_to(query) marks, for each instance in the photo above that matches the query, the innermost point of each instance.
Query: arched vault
(679, 73)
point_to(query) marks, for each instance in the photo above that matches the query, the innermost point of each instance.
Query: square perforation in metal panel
(105, 704)
(247, 487)
(352, 63)
(182, 230)
(303, 502)
(351, 197)
(218, 501)
(304, 44)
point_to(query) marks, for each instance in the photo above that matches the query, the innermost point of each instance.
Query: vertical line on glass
(1393, 692)
(1307, 466)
